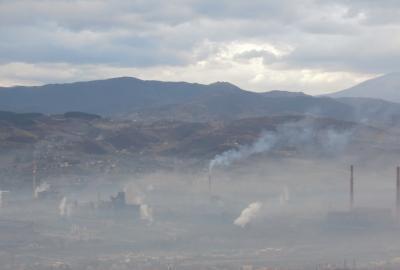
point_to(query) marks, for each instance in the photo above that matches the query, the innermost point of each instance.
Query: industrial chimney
(351, 187)
(398, 191)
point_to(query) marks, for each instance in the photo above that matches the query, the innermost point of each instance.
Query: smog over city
(251, 135)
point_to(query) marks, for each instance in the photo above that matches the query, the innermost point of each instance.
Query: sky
(314, 46)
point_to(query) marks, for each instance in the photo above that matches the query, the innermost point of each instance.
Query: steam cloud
(64, 208)
(265, 143)
(299, 135)
(146, 213)
(248, 214)
(41, 188)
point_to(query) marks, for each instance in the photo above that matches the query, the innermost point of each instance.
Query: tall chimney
(398, 191)
(351, 187)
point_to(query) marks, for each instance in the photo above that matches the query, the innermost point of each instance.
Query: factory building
(116, 208)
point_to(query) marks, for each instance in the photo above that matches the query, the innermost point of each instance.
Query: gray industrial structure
(362, 217)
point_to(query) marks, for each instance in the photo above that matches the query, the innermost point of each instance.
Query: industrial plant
(145, 214)
(357, 217)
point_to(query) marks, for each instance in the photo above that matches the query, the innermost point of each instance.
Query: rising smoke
(65, 208)
(44, 186)
(146, 213)
(135, 197)
(263, 144)
(248, 214)
(302, 135)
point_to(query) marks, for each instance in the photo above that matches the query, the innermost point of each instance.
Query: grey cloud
(265, 55)
(373, 12)
(342, 35)
(368, 53)
(56, 44)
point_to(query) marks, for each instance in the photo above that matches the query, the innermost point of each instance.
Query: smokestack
(351, 187)
(398, 191)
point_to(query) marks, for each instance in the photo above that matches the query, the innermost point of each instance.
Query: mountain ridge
(386, 87)
(151, 100)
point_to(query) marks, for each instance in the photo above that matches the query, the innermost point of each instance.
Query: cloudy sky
(316, 46)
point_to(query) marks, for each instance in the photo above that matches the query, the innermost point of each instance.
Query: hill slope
(78, 144)
(81, 134)
(154, 100)
(385, 87)
(107, 97)
(140, 100)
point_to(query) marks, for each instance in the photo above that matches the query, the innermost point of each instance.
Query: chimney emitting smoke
(351, 187)
(398, 191)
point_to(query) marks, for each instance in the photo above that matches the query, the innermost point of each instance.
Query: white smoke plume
(303, 135)
(265, 143)
(44, 186)
(135, 197)
(146, 213)
(249, 213)
(65, 208)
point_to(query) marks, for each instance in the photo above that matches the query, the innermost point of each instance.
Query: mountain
(140, 100)
(245, 105)
(107, 97)
(385, 87)
(153, 100)
(372, 111)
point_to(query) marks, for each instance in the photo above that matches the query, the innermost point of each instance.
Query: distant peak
(124, 78)
(226, 85)
(388, 76)
(384, 87)
(223, 83)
